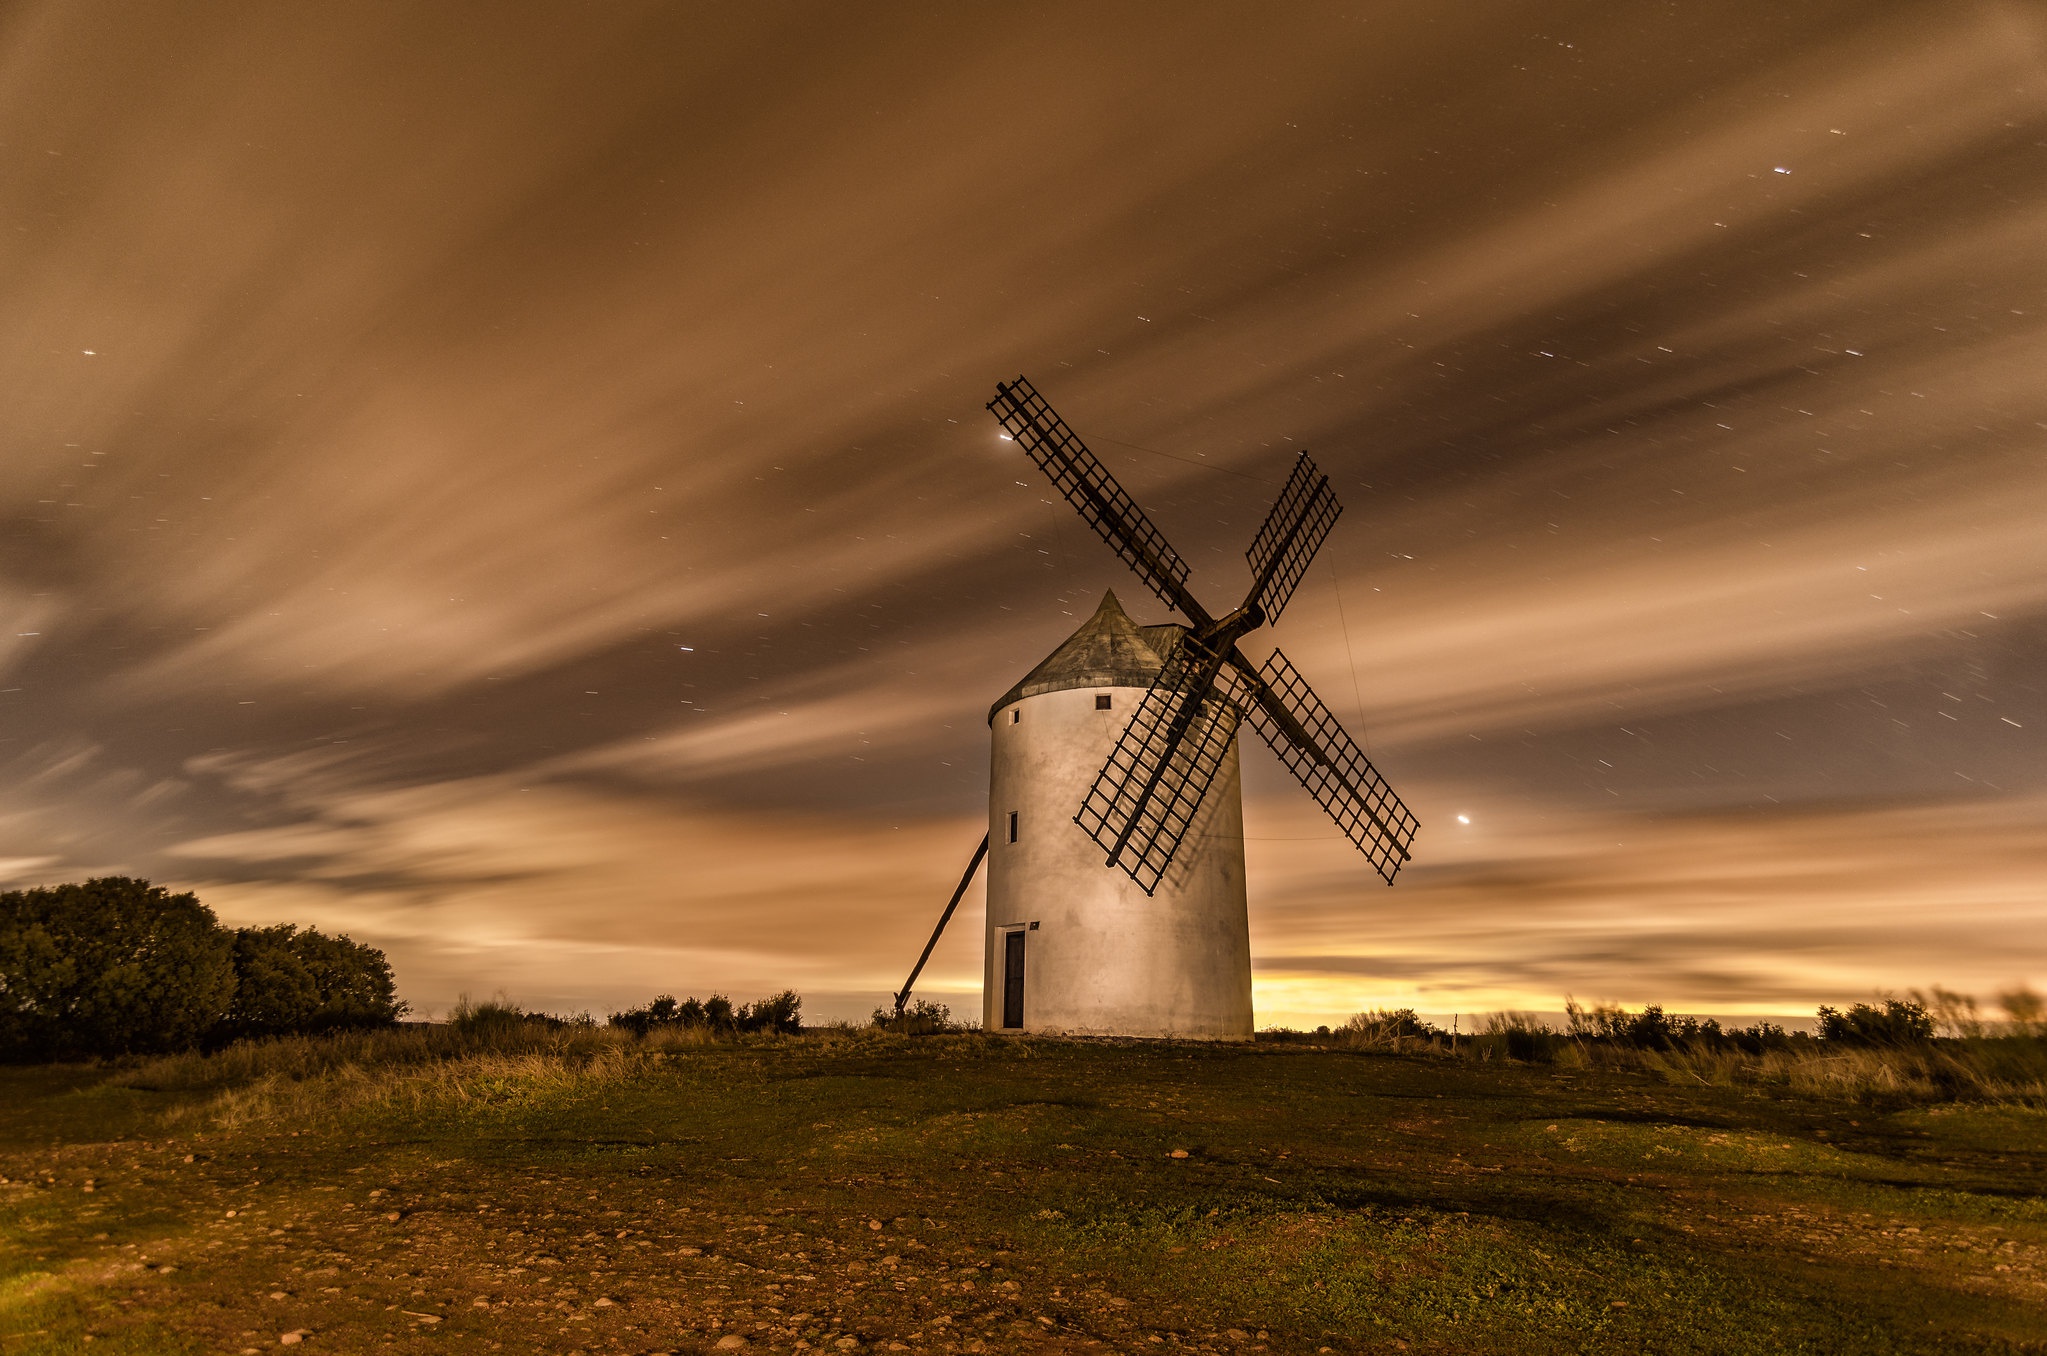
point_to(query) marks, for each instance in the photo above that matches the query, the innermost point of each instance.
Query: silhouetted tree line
(783, 1012)
(1654, 1029)
(1892, 1023)
(117, 966)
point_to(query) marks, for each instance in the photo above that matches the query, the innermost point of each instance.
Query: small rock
(1237, 1335)
(847, 1343)
(874, 1224)
(731, 1341)
(391, 1215)
(1179, 1153)
(689, 1252)
(602, 1302)
(290, 1339)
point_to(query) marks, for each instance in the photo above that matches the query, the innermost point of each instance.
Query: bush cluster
(117, 966)
(1654, 1029)
(781, 1013)
(1900, 1021)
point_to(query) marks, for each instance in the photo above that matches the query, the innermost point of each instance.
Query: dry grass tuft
(2010, 1070)
(485, 1062)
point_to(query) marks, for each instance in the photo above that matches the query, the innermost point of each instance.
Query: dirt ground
(962, 1194)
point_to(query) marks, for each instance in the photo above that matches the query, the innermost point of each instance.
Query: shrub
(921, 1018)
(782, 1013)
(111, 966)
(1519, 1035)
(291, 982)
(1384, 1029)
(2025, 1011)
(495, 1016)
(1900, 1021)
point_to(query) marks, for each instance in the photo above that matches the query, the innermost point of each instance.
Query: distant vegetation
(117, 966)
(782, 1013)
(1932, 1046)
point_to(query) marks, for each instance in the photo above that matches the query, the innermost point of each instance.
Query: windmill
(1135, 906)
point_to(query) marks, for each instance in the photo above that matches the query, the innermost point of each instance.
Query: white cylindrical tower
(1074, 945)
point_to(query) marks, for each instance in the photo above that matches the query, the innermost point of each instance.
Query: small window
(1015, 715)
(1101, 701)
(1012, 826)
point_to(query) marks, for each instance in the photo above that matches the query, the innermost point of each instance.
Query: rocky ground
(957, 1194)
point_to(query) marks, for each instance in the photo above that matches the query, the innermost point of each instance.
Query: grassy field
(577, 1192)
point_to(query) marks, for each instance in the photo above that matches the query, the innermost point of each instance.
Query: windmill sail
(1293, 532)
(1144, 801)
(1322, 756)
(1088, 486)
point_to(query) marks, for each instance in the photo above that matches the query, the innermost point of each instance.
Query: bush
(117, 966)
(1900, 1021)
(921, 1018)
(112, 966)
(490, 1021)
(1383, 1029)
(782, 1013)
(1519, 1035)
(290, 982)
(2025, 1012)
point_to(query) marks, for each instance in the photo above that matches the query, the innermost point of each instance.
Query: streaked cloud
(541, 517)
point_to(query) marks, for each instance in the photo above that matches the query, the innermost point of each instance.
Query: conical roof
(1109, 650)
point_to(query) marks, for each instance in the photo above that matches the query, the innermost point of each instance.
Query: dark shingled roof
(1109, 650)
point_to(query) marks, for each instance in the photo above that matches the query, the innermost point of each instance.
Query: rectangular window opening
(1015, 715)
(1012, 826)
(1101, 701)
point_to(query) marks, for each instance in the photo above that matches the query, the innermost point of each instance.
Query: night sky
(511, 483)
